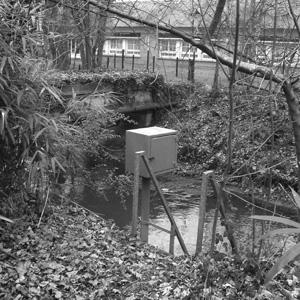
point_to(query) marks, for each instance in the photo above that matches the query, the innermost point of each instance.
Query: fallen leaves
(75, 255)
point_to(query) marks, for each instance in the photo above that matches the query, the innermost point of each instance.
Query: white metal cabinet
(160, 146)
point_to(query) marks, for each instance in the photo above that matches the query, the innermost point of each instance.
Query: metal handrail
(174, 229)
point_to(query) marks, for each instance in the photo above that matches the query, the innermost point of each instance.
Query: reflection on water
(186, 214)
(185, 210)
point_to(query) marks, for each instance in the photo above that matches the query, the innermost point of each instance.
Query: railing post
(145, 209)
(135, 194)
(172, 239)
(202, 208)
(165, 204)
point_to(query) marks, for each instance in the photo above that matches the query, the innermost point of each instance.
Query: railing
(145, 206)
(150, 64)
(207, 177)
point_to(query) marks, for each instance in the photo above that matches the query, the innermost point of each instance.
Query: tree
(250, 66)
(75, 26)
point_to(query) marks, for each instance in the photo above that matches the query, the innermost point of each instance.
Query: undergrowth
(202, 125)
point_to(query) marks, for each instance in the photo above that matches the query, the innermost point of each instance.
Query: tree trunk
(294, 111)
(82, 55)
(100, 40)
(215, 91)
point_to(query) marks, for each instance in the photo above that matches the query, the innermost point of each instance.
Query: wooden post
(202, 208)
(135, 194)
(145, 209)
(165, 204)
(172, 239)
(214, 228)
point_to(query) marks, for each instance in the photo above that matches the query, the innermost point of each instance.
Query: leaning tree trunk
(294, 111)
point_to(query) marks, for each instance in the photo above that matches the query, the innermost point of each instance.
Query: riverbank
(75, 254)
(191, 185)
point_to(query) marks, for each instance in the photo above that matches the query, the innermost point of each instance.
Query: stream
(183, 197)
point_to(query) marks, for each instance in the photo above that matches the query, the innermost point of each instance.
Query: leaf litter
(75, 254)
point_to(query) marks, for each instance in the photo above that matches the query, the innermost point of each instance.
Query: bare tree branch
(247, 68)
(294, 17)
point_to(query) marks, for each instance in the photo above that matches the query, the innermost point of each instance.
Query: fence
(175, 69)
(207, 177)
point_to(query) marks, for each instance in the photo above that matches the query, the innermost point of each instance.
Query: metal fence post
(153, 63)
(123, 58)
(132, 62)
(148, 60)
(145, 209)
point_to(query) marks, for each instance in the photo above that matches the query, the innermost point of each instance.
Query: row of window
(288, 53)
(174, 48)
(168, 48)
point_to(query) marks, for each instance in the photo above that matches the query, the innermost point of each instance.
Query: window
(168, 48)
(264, 52)
(172, 48)
(133, 47)
(115, 46)
(206, 57)
(187, 51)
(284, 52)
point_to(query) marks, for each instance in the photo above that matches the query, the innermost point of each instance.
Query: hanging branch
(294, 17)
(231, 83)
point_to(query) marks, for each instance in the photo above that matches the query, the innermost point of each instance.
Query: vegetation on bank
(52, 250)
(32, 255)
(263, 145)
(74, 254)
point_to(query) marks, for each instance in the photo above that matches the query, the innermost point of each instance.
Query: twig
(43, 208)
(92, 212)
(7, 253)
(284, 291)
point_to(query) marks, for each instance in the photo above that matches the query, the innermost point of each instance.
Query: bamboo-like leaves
(20, 96)
(296, 198)
(283, 261)
(293, 252)
(280, 231)
(278, 220)
(6, 219)
(3, 62)
(3, 116)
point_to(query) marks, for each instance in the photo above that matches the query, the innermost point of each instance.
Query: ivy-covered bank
(121, 84)
(263, 145)
(75, 254)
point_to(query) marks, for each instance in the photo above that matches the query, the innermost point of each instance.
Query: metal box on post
(160, 146)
